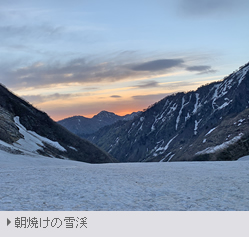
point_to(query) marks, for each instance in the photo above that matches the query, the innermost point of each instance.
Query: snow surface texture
(49, 184)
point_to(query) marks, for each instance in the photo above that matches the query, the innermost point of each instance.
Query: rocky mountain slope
(211, 123)
(26, 130)
(82, 126)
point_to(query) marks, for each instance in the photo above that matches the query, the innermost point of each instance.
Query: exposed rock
(18, 116)
(182, 126)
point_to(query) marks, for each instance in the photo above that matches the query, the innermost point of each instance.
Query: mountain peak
(105, 114)
(82, 126)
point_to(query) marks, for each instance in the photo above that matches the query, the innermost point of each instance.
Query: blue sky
(80, 57)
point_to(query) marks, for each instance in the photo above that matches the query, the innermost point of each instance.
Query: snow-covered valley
(38, 183)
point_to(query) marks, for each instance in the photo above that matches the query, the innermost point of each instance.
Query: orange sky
(116, 98)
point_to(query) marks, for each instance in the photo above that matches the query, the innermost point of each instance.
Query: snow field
(50, 184)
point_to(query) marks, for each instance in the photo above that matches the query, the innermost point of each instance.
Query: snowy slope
(32, 141)
(184, 125)
(24, 130)
(40, 183)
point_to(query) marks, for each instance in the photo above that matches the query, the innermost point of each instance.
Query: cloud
(90, 88)
(89, 70)
(180, 84)
(36, 99)
(45, 75)
(116, 96)
(212, 7)
(84, 70)
(158, 65)
(148, 84)
(202, 69)
(150, 97)
(198, 68)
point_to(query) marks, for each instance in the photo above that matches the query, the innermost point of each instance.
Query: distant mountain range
(28, 131)
(211, 123)
(83, 126)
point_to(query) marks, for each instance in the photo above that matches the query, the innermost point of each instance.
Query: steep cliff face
(205, 124)
(26, 130)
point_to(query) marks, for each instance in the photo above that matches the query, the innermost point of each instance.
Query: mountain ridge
(175, 128)
(83, 126)
(27, 130)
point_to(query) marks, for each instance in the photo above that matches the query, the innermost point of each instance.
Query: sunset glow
(81, 57)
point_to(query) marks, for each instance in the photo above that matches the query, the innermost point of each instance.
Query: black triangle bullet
(8, 221)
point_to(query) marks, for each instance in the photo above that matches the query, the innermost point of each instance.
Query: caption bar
(67, 222)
